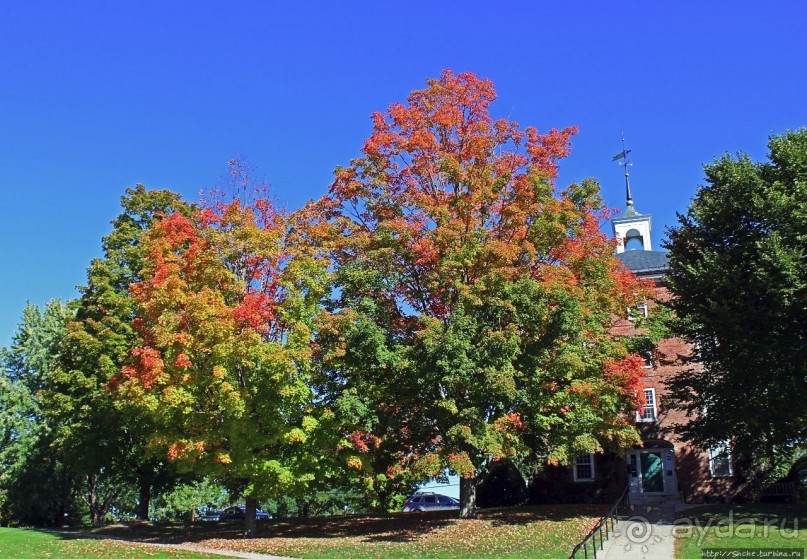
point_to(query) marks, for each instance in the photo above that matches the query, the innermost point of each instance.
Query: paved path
(646, 532)
(174, 546)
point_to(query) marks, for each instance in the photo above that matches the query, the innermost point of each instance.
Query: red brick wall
(692, 465)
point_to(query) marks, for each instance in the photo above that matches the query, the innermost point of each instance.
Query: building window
(648, 413)
(584, 467)
(633, 466)
(640, 311)
(720, 460)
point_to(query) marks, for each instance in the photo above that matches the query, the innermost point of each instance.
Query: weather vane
(623, 155)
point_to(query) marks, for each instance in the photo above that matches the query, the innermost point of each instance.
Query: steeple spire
(631, 229)
(623, 155)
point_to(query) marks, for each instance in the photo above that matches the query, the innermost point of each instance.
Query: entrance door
(652, 472)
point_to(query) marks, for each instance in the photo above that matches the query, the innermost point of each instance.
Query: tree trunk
(92, 501)
(250, 529)
(98, 504)
(467, 497)
(144, 499)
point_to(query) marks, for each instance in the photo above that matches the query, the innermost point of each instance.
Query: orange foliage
(510, 423)
(440, 173)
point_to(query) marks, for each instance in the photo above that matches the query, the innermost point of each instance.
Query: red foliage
(255, 311)
(363, 442)
(628, 374)
(147, 366)
(183, 361)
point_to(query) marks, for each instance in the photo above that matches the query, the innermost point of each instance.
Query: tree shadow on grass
(520, 516)
(401, 527)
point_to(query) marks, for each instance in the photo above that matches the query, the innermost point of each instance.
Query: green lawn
(741, 526)
(547, 532)
(30, 544)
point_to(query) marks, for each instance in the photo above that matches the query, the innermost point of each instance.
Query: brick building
(664, 467)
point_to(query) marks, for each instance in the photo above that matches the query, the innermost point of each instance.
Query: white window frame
(722, 451)
(590, 463)
(650, 397)
(647, 357)
(643, 312)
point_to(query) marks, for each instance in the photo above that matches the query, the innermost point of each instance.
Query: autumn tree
(738, 269)
(225, 308)
(474, 299)
(104, 443)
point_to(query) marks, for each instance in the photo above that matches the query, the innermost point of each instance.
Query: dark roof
(644, 261)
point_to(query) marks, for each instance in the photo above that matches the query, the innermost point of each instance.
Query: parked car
(208, 514)
(420, 502)
(239, 512)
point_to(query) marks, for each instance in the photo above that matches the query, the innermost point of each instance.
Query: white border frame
(639, 418)
(593, 469)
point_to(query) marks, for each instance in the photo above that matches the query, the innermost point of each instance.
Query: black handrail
(601, 526)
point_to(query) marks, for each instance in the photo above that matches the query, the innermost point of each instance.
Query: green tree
(177, 503)
(738, 270)
(104, 443)
(475, 300)
(36, 485)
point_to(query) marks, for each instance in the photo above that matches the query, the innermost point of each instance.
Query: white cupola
(631, 229)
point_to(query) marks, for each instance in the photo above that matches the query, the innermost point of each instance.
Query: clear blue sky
(98, 96)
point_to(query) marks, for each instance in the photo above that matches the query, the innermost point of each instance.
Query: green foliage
(35, 346)
(739, 275)
(659, 324)
(177, 503)
(36, 486)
